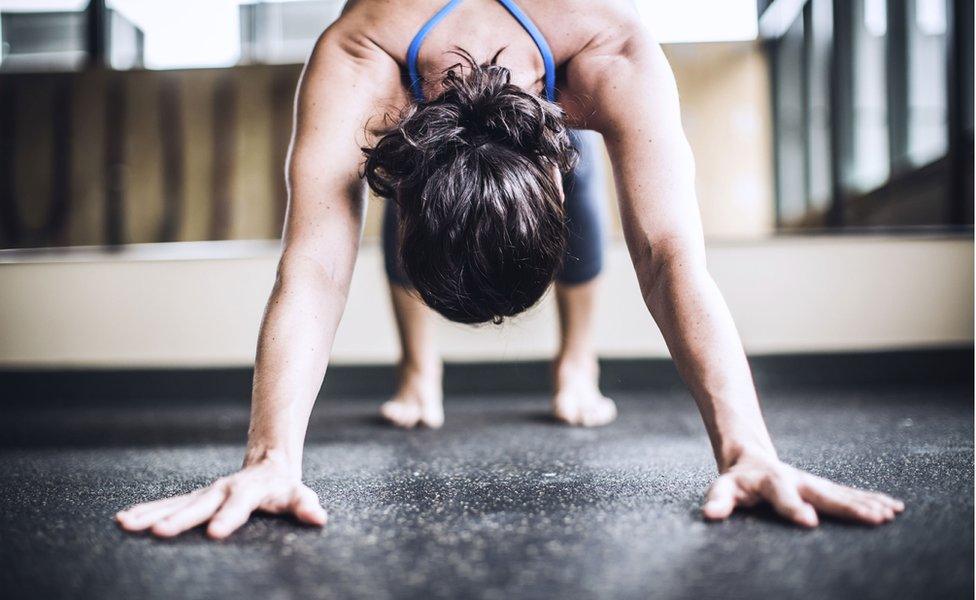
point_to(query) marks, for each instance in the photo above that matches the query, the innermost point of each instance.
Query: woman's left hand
(796, 495)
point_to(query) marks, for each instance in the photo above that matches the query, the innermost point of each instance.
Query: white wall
(199, 304)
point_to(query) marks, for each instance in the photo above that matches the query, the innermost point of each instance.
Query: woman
(469, 187)
(473, 164)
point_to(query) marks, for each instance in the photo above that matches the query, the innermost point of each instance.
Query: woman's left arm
(630, 91)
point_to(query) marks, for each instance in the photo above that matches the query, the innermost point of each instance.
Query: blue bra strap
(416, 84)
(540, 41)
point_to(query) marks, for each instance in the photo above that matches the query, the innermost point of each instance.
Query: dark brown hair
(473, 172)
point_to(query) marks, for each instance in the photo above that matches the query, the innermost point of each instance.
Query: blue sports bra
(416, 84)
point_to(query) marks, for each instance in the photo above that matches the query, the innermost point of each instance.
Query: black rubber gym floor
(501, 503)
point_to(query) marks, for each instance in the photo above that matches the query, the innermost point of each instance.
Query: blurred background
(142, 146)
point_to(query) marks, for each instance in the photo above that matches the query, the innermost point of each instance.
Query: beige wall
(725, 104)
(726, 113)
(200, 305)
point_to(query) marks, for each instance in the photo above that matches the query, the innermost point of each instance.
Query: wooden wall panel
(172, 168)
(86, 227)
(33, 165)
(115, 111)
(254, 215)
(142, 172)
(9, 231)
(196, 94)
(283, 87)
(223, 133)
(223, 139)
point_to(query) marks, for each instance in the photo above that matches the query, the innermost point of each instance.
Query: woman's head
(475, 174)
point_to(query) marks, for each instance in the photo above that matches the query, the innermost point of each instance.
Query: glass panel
(876, 17)
(179, 34)
(175, 34)
(700, 20)
(819, 36)
(930, 16)
(927, 86)
(284, 32)
(791, 163)
(125, 47)
(42, 35)
(870, 163)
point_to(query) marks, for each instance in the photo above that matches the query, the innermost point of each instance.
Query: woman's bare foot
(577, 399)
(419, 399)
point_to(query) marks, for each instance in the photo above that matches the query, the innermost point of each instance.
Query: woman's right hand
(227, 503)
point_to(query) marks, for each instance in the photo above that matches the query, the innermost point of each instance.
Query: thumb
(305, 506)
(720, 500)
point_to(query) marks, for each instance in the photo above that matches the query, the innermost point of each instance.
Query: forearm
(700, 333)
(294, 345)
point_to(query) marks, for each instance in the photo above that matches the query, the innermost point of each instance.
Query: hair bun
(478, 108)
(489, 108)
(482, 227)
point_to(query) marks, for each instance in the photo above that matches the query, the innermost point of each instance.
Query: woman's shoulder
(573, 26)
(387, 24)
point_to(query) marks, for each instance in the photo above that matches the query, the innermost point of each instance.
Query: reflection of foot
(418, 401)
(577, 399)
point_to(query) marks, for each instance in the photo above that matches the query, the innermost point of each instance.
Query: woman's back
(482, 28)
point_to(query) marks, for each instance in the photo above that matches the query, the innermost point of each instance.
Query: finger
(233, 513)
(149, 516)
(306, 507)
(893, 503)
(144, 507)
(872, 508)
(194, 513)
(785, 498)
(876, 505)
(836, 501)
(720, 499)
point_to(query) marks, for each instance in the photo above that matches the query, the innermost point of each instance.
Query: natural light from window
(678, 21)
(206, 33)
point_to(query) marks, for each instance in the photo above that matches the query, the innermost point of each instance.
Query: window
(52, 35)
(819, 31)
(865, 113)
(283, 32)
(183, 34)
(42, 35)
(869, 162)
(675, 22)
(927, 86)
(790, 125)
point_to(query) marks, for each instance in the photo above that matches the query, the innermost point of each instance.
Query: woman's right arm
(347, 81)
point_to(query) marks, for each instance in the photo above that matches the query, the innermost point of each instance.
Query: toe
(400, 413)
(601, 412)
(432, 417)
(567, 411)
